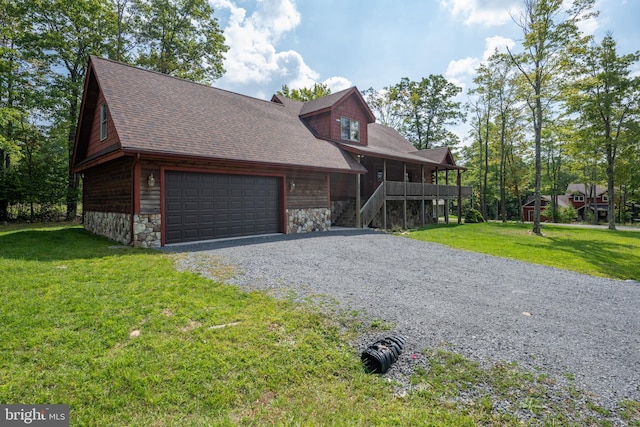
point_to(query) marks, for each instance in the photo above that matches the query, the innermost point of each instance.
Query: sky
(375, 43)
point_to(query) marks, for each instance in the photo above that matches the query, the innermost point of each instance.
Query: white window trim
(605, 197)
(578, 198)
(351, 129)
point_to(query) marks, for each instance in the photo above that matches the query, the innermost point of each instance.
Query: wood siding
(327, 124)
(149, 196)
(95, 144)
(343, 187)
(321, 125)
(107, 187)
(353, 109)
(311, 191)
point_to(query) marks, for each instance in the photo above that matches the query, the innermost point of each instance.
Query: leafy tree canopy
(305, 94)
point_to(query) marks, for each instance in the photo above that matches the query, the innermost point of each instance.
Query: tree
(180, 38)
(427, 107)
(496, 125)
(481, 109)
(305, 94)
(64, 35)
(386, 110)
(607, 101)
(22, 99)
(550, 32)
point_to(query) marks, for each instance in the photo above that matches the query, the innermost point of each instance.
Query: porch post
(446, 202)
(422, 201)
(384, 193)
(404, 201)
(358, 202)
(437, 209)
(459, 197)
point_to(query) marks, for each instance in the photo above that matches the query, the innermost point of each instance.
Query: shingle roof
(156, 113)
(580, 188)
(328, 101)
(438, 155)
(386, 142)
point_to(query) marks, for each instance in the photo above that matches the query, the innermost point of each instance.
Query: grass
(125, 338)
(596, 252)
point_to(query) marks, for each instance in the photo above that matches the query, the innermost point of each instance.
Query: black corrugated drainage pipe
(378, 357)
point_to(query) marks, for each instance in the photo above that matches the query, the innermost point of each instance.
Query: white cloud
(498, 43)
(462, 71)
(483, 12)
(336, 83)
(253, 60)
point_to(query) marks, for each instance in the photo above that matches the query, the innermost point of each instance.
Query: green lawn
(596, 252)
(127, 340)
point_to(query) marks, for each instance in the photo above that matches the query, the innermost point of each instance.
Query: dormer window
(103, 122)
(349, 129)
(605, 197)
(578, 198)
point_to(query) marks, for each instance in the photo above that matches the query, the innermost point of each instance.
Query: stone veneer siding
(147, 230)
(308, 220)
(116, 226)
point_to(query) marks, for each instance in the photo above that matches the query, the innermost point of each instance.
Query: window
(349, 129)
(103, 122)
(605, 197)
(578, 198)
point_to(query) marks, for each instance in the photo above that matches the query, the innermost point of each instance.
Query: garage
(204, 206)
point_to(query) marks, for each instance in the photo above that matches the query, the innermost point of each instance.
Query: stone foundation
(113, 225)
(116, 226)
(308, 220)
(147, 229)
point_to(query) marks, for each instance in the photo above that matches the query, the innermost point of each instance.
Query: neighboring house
(545, 200)
(165, 160)
(589, 198)
(577, 195)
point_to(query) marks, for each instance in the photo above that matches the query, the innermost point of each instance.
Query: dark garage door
(202, 206)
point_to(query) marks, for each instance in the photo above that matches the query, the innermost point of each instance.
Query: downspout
(133, 198)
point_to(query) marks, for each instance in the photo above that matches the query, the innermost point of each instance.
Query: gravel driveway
(484, 307)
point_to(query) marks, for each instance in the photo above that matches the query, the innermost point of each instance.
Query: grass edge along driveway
(125, 339)
(596, 252)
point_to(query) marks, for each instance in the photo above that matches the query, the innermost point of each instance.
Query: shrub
(567, 214)
(473, 216)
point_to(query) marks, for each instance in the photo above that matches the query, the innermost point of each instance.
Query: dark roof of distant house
(158, 114)
(580, 189)
(563, 201)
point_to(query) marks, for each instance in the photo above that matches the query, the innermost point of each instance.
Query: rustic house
(165, 160)
(583, 198)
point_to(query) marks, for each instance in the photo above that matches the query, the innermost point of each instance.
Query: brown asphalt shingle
(156, 113)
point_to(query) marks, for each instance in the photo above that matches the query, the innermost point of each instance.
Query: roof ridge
(159, 74)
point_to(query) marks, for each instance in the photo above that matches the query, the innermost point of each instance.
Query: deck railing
(416, 190)
(372, 206)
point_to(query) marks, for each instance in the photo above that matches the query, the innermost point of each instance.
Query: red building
(583, 197)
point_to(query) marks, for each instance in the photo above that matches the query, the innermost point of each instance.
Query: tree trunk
(537, 124)
(73, 183)
(611, 208)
